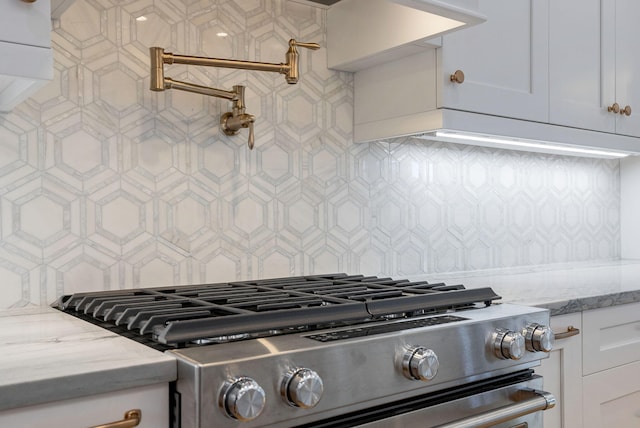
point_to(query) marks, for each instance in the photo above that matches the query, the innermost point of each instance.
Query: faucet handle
(312, 46)
(252, 139)
(291, 67)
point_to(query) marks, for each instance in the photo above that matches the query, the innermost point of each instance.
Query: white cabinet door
(562, 373)
(627, 60)
(593, 64)
(504, 60)
(612, 398)
(582, 64)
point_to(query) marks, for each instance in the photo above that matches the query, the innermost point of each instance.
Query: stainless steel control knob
(508, 345)
(419, 363)
(302, 388)
(538, 338)
(243, 399)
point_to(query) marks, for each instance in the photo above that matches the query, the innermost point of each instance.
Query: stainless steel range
(337, 351)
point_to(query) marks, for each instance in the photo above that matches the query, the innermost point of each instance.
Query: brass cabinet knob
(626, 111)
(614, 108)
(457, 77)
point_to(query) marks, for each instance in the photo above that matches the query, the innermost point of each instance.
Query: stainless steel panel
(357, 373)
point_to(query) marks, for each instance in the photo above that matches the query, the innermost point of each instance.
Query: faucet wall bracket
(230, 122)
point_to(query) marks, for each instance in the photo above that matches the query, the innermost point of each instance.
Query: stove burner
(192, 315)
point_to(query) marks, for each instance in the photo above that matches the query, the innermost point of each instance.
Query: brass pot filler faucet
(230, 122)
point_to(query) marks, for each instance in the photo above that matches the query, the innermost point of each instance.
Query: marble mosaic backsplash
(105, 184)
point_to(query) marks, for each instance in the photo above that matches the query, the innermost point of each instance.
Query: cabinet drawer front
(93, 410)
(26, 23)
(612, 397)
(611, 337)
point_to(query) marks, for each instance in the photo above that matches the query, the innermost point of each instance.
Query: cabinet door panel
(563, 375)
(628, 65)
(581, 64)
(505, 62)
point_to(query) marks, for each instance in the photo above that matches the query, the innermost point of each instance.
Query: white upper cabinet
(627, 60)
(363, 33)
(25, 47)
(594, 65)
(541, 70)
(504, 61)
(579, 87)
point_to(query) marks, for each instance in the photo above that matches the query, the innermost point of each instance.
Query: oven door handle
(532, 401)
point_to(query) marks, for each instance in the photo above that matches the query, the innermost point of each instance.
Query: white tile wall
(105, 184)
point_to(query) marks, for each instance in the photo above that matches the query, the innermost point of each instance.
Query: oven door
(513, 401)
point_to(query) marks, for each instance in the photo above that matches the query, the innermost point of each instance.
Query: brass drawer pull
(571, 331)
(131, 419)
(626, 111)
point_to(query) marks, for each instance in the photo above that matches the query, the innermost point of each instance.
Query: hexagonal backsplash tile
(105, 184)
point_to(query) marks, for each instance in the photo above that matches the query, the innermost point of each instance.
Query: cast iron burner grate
(177, 316)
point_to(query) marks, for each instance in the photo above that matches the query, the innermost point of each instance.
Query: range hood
(364, 33)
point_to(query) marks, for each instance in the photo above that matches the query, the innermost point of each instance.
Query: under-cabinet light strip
(528, 144)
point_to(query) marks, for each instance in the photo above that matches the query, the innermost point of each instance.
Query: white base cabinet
(562, 373)
(95, 410)
(611, 385)
(595, 376)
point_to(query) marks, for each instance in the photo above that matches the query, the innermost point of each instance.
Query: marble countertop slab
(46, 355)
(562, 288)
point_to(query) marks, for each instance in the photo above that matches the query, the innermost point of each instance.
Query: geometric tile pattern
(107, 185)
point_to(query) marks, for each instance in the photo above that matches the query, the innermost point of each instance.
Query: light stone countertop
(46, 355)
(562, 288)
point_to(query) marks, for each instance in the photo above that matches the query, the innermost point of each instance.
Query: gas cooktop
(191, 315)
